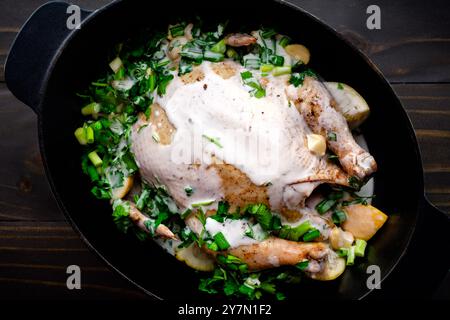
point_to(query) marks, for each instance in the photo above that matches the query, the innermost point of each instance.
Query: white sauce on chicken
(264, 138)
(234, 231)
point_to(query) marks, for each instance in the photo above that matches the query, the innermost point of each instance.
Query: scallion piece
(342, 252)
(186, 213)
(95, 159)
(279, 71)
(267, 67)
(90, 109)
(332, 136)
(189, 190)
(311, 235)
(360, 247)
(302, 265)
(192, 52)
(251, 61)
(277, 60)
(202, 203)
(268, 33)
(325, 205)
(219, 47)
(294, 233)
(213, 140)
(221, 241)
(231, 53)
(80, 134)
(89, 134)
(338, 217)
(351, 256)
(213, 246)
(284, 41)
(300, 230)
(97, 125)
(213, 56)
(93, 174)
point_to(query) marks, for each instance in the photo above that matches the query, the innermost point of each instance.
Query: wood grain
(35, 255)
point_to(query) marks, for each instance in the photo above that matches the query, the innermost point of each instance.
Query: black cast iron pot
(48, 64)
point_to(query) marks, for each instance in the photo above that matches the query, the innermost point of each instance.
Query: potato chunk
(298, 52)
(349, 103)
(195, 258)
(363, 221)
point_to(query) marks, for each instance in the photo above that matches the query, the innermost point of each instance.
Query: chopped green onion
(213, 140)
(284, 41)
(276, 223)
(277, 60)
(177, 31)
(213, 56)
(257, 91)
(267, 67)
(268, 33)
(342, 252)
(311, 235)
(338, 217)
(202, 203)
(221, 241)
(97, 125)
(219, 47)
(184, 67)
(279, 71)
(189, 190)
(360, 247)
(332, 136)
(93, 174)
(262, 214)
(120, 74)
(351, 256)
(340, 86)
(90, 109)
(186, 213)
(302, 265)
(251, 61)
(295, 233)
(89, 134)
(231, 53)
(249, 232)
(213, 246)
(80, 134)
(325, 205)
(192, 52)
(95, 159)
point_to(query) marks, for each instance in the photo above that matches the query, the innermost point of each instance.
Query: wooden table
(37, 244)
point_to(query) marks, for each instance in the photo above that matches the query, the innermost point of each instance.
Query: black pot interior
(391, 140)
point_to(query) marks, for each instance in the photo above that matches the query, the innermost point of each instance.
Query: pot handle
(35, 46)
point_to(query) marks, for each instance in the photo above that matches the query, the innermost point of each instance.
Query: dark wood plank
(34, 257)
(23, 187)
(412, 45)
